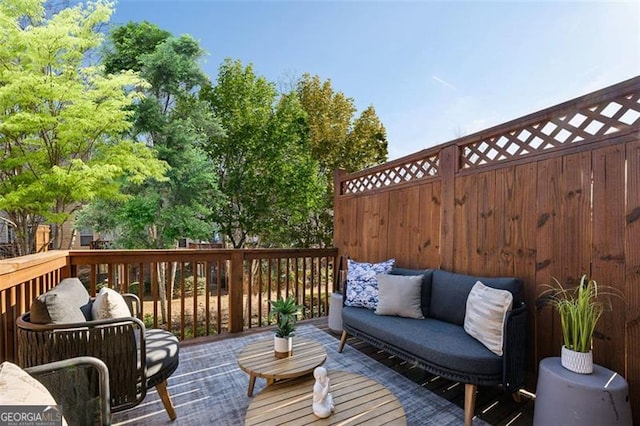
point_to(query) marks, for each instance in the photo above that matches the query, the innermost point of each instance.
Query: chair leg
(343, 340)
(469, 403)
(166, 399)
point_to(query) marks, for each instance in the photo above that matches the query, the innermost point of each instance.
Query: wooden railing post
(236, 275)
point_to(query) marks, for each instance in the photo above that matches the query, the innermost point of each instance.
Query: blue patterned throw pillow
(362, 285)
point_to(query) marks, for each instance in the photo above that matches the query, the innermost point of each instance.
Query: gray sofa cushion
(68, 302)
(438, 342)
(449, 292)
(425, 294)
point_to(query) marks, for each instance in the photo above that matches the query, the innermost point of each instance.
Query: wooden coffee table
(258, 360)
(357, 400)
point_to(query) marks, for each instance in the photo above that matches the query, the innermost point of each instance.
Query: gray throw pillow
(68, 302)
(399, 295)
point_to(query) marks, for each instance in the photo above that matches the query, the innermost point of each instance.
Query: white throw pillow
(487, 309)
(19, 388)
(399, 295)
(109, 304)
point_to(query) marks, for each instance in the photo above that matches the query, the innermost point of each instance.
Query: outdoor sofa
(437, 340)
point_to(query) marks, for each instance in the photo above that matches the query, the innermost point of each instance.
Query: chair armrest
(24, 322)
(57, 383)
(514, 349)
(133, 302)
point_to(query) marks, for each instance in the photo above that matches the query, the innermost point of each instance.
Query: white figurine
(322, 399)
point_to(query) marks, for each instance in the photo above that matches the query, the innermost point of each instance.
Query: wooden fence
(552, 194)
(193, 293)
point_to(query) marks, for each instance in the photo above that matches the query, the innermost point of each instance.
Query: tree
(173, 121)
(176, 125)
(129, 44)
(62, 119)
(338, 141)
(264, 165)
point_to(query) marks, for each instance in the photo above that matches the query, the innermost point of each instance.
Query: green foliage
(177, 125)
(265, 169)
(148, 320)
(580, 309)
(62, 119)
(129, 43)
(337, 141)
(188, 287)
(286, 312)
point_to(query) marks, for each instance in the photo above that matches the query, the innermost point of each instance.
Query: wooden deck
(492, 405)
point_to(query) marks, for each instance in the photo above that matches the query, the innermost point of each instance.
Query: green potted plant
(579, 308)
(285, 311)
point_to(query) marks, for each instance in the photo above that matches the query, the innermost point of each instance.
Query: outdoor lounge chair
(136, 358)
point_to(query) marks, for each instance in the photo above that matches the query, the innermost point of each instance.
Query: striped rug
(210, 389)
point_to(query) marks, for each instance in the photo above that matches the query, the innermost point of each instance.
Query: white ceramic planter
(283, 346)
(578, 362)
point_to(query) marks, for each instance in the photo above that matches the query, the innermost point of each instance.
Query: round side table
(567, 398)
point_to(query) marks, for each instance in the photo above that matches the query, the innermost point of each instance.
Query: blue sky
(433, 71)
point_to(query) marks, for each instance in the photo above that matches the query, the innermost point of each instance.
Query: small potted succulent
(285, 311)
(579, 308)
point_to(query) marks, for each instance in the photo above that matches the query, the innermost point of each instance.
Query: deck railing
(193, 293)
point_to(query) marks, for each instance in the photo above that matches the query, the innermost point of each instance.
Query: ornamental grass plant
(579, 308)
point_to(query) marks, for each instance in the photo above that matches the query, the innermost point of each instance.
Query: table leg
(252, 383)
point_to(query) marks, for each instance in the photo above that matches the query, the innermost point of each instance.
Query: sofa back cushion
(449, 292)
(68, 302)
(425, 293)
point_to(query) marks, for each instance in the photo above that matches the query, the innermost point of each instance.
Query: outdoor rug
(208, 388)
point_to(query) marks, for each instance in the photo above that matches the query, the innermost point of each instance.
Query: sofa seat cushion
(436, 342)
(162, 355)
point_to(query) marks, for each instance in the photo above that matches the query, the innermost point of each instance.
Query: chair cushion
(449, 292)
(362, 284)
(425, 292)
(486, 312)
(399, 295)
(68, 302)
(438, 342)
(109, 304)
(162, 355)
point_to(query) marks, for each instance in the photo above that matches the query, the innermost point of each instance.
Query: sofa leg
(516, 397)
(469, 403)
(343, 340)
(166, 399)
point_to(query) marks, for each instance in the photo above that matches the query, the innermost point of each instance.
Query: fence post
(448, 167)
(236, 275)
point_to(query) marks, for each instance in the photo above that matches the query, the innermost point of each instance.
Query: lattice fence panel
(414, 170)
(584, 124)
